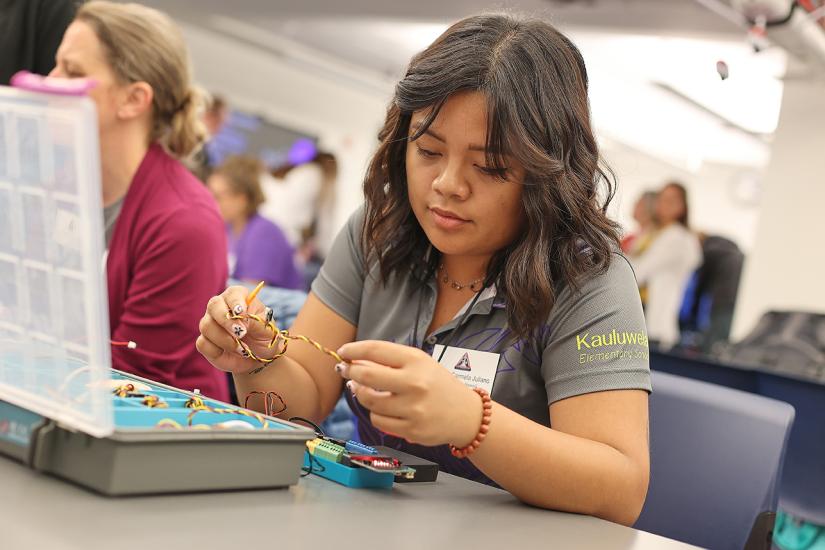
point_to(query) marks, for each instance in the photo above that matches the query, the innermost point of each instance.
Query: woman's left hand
(410, 395)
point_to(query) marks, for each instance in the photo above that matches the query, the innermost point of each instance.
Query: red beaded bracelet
(487, 411)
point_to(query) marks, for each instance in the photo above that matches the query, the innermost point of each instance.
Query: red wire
(129, 344)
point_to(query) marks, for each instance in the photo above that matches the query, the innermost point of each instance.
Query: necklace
(474, 285)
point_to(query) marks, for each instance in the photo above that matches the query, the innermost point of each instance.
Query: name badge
(477, 369)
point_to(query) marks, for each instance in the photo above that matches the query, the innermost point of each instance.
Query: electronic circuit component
(334, 440)
(425, 471)
(354, 447)
(405, 472)
(376, 463)
(325, 449)
(154, 402)
(311, 444)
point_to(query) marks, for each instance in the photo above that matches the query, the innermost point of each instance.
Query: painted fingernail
(239, 350)
(239, 331)
(244, 353)
(342, 369)
(352, 386)
(238, 309)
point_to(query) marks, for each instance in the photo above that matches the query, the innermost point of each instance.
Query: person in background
(633, 244)
(214, 118)
(644, 213)
(165, 239)
(258, 249)
(667, 265)
(300, 193)
(30, 31)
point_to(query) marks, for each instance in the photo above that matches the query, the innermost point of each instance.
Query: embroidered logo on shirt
(613, 338)
(463, 363)
(618, 341)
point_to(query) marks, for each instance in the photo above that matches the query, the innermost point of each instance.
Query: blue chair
(716, 455)
(802, 490)
(802, 486)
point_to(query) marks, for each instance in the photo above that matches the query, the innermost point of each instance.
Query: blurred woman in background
(165, 241)
(667, 264)
(258, 249)
(644, 214)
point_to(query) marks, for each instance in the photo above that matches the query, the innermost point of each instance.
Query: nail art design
(342, 369)
(244, 353)
(238, 309)
(239, 331)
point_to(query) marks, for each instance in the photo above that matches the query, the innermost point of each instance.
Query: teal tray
(141, 458)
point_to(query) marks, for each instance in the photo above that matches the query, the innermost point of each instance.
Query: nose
(450, 181)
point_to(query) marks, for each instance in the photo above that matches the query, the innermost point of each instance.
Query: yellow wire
(276, 333)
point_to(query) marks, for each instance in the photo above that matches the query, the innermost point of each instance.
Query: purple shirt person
(258, 249)
(262, 253)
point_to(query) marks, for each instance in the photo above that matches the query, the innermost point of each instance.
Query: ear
(135, 101)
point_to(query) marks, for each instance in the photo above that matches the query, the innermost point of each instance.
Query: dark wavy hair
(535, 84)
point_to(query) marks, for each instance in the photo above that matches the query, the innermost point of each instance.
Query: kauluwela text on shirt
(611, 346)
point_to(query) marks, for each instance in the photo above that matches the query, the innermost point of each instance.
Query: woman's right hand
(218, 332)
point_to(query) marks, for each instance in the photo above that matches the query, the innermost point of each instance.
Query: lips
(447, 219)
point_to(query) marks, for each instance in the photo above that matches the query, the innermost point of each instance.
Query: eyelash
(499, 173)
(426, 153)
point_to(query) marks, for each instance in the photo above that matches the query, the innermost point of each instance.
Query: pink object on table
(51, 84)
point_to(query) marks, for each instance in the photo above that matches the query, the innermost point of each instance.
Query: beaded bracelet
(487, 411)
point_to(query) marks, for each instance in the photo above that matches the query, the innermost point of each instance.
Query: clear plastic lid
(55, 355)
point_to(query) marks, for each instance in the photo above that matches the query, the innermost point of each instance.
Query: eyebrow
(429, 131)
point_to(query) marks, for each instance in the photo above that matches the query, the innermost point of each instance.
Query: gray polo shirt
(593, 340)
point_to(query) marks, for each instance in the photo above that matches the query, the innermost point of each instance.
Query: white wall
(714, 208)
(344, 116)
(786, 269)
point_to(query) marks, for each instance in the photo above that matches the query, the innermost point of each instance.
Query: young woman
(482, 243)
(665, 267)
(165, 240)
(258, 249)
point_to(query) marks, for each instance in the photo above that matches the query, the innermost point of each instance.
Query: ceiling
(652, 63)
(382, 35)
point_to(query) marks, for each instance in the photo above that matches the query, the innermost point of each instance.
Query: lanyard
(455, 329)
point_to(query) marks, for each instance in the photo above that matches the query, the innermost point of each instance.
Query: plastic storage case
(139, 457)
(57, 409)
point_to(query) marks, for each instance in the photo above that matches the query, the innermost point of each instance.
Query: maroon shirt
(166, 259)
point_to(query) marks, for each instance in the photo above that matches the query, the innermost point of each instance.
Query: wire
(315, 426)
(269, 402)
(124, 390)
(154, 402)
(277, 334)
(126, 344)
(194, 402)
(257, 416)
(168, 423)
(309, 470)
